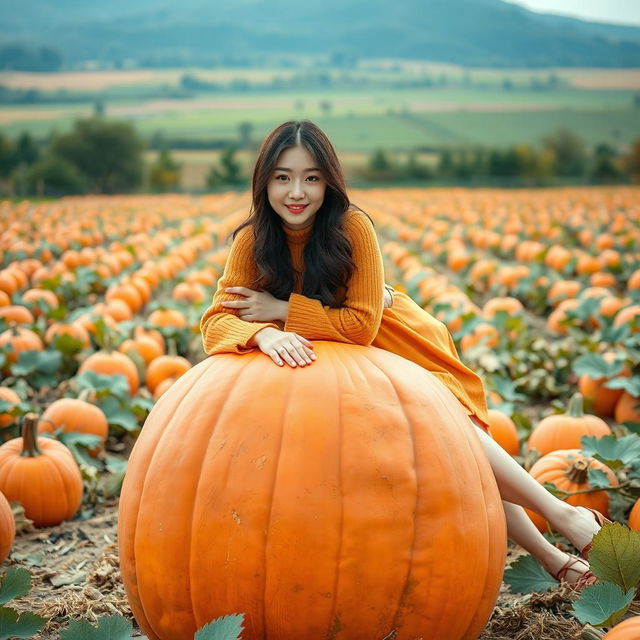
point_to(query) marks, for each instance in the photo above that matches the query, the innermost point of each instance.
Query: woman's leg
(516, 486)
(523, 532)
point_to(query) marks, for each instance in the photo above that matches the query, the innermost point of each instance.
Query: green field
(364, 109)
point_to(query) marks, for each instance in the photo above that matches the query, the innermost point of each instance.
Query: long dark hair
(328, 264)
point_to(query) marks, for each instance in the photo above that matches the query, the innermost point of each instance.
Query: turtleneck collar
(297, 236)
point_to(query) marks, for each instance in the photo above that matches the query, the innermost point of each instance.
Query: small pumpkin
(568, 470)
(628, 629)
(634, 516)
(601, 399)
(77, 415)
(627, 409)
(40, 474)
(163, 367)
(504, 432)
(564, 431)
(20, 339)
(10, 396)
(7, 528)
(109, 363)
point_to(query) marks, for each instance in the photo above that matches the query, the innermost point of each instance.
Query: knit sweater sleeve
(358, 319)
(222, 330)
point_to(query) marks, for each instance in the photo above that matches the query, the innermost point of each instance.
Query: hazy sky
(619, 11)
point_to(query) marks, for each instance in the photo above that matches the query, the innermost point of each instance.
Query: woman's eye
(282, 176)
(313, 178)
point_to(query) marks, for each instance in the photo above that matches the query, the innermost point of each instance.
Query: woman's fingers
(236, 304)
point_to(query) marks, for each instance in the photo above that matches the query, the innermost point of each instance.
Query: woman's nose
(296, 189)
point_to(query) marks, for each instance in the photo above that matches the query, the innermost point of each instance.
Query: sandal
(585, 580)
(601, 520)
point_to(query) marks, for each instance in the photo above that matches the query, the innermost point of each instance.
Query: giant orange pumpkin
(330, 501)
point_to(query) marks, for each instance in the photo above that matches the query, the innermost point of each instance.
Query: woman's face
(296, 188)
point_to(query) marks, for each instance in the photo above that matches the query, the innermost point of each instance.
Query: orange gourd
(305, 493)
(634, 516)
(163, 367)
(628, 629)
(504, 432)
(10, 396)
(7, 528)
(568, 470)
(627, 409)
(564, 431)
(41, 474)
(600, 398)
(77, 415)
(110, 363)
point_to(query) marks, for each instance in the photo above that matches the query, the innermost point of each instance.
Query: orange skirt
(411, 332)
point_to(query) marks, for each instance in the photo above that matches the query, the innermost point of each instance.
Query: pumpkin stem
(173, 349)
(87, 395)
(578, 471)
(30, 436)
(575, 409)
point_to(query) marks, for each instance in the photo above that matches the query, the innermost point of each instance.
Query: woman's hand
(284, 346)
(257, 306)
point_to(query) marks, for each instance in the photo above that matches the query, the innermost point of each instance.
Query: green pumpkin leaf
(27, 363)
(630, 385)
(15, 625)
(615, 556)
(595, 366)
(612, 451)
(597, 478)
(117, 414)
(634, 427)
(224, 628)
(67, 344)
(113, 627)
(16, 582)
(612, 334)
(526, 575)
(602, 604)
(116, 385)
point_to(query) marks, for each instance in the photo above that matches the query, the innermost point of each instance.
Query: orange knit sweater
(356, 321)
(404, 328)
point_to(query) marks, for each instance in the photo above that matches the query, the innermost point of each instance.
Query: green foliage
(16, 583)
(223, 628)
(595, 366)
(569, 150)
(113, 627)
(39, 367)
(107, 153)
(602, 604)
(229, 172)
(56, 176)
(615, 556)
(526, 575)
(614, 452)
(164, 173)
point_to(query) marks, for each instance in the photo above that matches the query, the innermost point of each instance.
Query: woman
(306, 265)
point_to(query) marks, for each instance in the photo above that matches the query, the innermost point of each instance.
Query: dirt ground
(74, 568)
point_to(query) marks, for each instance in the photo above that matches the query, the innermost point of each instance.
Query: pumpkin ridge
(272, 493)
(453, 478)
(405, 586)
(159, 445)
(130, 539)
(53, 469)
(232, 384)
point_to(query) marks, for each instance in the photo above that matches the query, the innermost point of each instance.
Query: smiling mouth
(296, 208)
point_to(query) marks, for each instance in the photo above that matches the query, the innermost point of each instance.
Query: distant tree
(27, 152)
(98, 108)
(164, 173)
(446, 164)
(632, 162)
(416, 170)
(229, 172)
(606, 167)
(570, 152)
(378, 161)
(245, 129)
(108, 154)
(17, 57)
(8, 159)
(325, 107)
(55, 176)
